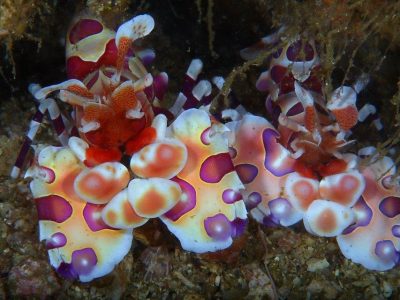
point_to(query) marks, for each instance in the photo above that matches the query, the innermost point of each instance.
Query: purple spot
(363, 213)
(92, 216)
(296, 53)
(295, 110)
(278, 73)
(215, 167)
(270, 221)
(147, 57)
(387, 182)
(232, 152)
(53, 208)
(273, 153)
(186, 203)
(238, 227)
(263, 83)
(396, 230)
(57, 240)
(386, 251)
(205, 136)
(246, 172)
(280, 208)
(390, 206)
(160, 84)
(84, 28)
(83, 261)
(230, 196)
(66, 271)
(218, 227)
(253, 200)
(188, 84)
(46, 174)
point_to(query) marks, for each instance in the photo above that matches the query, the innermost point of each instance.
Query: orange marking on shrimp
(81, 91)
(151, 203)
(123, 47)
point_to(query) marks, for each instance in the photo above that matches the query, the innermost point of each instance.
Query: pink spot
(386, 251)
(232, 152)
(246, 172)
(160, 85)
(274, 162)
(253, 200)
(92, 215)
(238, 226)
(83, 261)
(364, 215)
(187, 202)
(230, 196)
(84, 28)
(205, 136)
(218, 227)
(396, 231)
(390, 206)
(215, 167)
(280, 208)
(46, 174)
(57, 240)
(53, 208)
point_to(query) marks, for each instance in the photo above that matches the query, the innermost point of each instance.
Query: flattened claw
(79, 244)
(163, 159)
(151, 198)
(101, 183)
(119, 213)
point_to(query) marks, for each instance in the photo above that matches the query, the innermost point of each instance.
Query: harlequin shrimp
(297, 168)
(88, 201)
